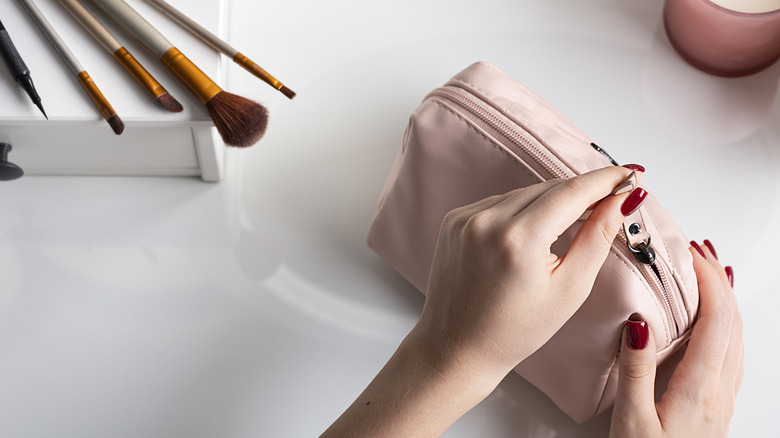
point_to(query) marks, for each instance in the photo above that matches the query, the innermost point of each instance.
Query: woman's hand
(496, 293)
(699, 400)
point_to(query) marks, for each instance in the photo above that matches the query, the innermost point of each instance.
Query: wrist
(465, 368)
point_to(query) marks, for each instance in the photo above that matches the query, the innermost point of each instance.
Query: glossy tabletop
(169, 307)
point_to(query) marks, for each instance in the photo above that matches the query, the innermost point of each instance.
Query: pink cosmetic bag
(483, 133)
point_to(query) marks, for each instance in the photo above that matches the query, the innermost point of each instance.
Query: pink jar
(721, 40)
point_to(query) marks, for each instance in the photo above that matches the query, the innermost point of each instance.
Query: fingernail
(637, 334)
(636, 167)
(730, 274)
(634, 201)
(698, 248)
(709, 246)
(626, 185)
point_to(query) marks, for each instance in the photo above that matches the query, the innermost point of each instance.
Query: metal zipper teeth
(516, 137)
(656, 284)
(660, 286)
(681, 317)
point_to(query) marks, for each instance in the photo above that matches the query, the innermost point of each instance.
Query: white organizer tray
(76, 140)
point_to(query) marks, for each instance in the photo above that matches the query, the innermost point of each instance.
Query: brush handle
(52, 36)
(92, 25)
(195, 28)
(136, 25)
(110, 43)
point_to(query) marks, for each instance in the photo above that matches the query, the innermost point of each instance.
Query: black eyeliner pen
(18, 68)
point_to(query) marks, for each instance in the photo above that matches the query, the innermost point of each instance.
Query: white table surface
(169, 307)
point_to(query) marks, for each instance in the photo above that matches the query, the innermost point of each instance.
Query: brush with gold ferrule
(241, 122)
(220, 45)
(92, 90)
(104, 37)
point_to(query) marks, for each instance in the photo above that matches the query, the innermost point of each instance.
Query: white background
(169, 307)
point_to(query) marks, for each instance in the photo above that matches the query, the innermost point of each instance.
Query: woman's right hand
(699, 400)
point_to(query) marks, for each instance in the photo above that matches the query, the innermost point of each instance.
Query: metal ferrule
(139, 72)
(94, 93)
(197, 81)
(256, 70)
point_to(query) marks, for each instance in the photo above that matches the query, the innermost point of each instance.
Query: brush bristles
(287, 92)
(169, 103)
(116, 124)
(241, 122)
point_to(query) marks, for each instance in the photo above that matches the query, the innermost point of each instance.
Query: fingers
(521, 199)
(593, 241)
(635, 400)
(732, 365)
(506, 205)
(555, 210)
(711, 335)
(592, 244)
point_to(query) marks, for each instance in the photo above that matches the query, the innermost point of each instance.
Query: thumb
(635, 401)
(592, 243)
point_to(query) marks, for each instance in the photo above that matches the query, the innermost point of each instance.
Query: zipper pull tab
(644, 252)
(638, 240)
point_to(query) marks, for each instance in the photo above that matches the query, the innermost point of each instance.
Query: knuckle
(478, 225)
(725, 318)
(508, 246)
(706, 396)
(452, 218)
(711, 401)
(573, 185)
(608, 233)
(636, 371)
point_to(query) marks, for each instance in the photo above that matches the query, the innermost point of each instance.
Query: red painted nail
(634, 201)
(637, 334)
(636, 167)
(709, 246)
(698, 248)
(730, 274)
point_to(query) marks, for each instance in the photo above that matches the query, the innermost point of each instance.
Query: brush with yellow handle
(241, 122)
(92, 90)
(220, 45)
(104, 37)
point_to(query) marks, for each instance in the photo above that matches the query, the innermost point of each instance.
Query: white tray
(76, 140)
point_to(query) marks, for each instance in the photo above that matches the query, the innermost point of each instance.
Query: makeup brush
(240, 121)
(110, 43)
(92, 90)
(18, 68)
(220, 45)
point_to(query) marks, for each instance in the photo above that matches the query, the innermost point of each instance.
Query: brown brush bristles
(169, 103)
(287, 92)
(116, 124)
(241, 122)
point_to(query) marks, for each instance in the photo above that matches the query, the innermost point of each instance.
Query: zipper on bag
(655, 273)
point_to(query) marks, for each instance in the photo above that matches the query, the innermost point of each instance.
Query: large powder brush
(241, 122)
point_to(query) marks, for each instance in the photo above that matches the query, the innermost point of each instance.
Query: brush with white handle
(241, 122)
(104, 37)
(94, 93)
(220, 45)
